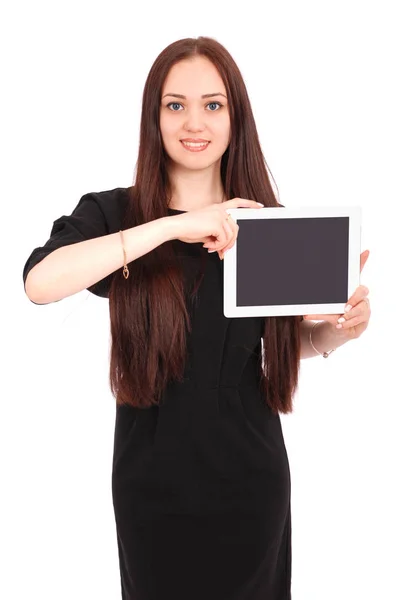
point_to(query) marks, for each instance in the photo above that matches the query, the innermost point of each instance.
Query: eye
(216, 104)
(173, 104)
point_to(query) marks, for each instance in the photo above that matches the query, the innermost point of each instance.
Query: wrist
(171, 226)
(325, 337)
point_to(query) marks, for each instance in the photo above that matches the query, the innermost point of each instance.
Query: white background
(323, 79)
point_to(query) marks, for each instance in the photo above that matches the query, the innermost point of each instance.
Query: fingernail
(347, 308)
(340, 320)
(260, 204)
(210, 251)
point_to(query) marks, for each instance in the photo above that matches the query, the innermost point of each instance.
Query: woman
(201, 481)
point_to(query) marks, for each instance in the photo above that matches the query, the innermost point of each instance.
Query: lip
(194, 140)
(201, 149)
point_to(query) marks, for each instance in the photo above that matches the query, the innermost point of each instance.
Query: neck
(195, 189)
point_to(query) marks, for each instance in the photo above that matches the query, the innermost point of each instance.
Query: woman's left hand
(355, 319)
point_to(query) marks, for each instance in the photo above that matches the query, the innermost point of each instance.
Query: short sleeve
(96, 214)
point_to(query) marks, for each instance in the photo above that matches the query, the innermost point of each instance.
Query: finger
(234, 230)
(330, 318)
(364, 258)
(242, 203)
(229, 228)
(222, 241)
(361, 309)
(233, 241)
(361, 292)
(229, 232)
(348, 323)
(222, 237)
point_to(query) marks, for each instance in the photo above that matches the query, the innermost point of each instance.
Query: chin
(197, 165)
(195, 161)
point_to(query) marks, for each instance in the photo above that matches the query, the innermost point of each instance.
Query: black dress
(200, 484)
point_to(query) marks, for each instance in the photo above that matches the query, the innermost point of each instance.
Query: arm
(77, 266)
(325, 337)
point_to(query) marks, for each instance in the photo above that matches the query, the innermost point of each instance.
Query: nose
(194, 121)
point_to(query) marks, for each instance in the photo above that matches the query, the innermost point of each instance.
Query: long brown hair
(148, 311)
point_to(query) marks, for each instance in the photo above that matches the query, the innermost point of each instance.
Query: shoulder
(108, 199)
(110, 204)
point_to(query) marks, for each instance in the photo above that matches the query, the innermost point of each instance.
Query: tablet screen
(291, 265)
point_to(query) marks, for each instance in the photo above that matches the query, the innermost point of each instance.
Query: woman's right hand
(210, 226)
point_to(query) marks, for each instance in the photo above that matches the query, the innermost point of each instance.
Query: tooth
(195, 144)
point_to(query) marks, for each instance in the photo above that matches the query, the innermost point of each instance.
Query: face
(195, 130)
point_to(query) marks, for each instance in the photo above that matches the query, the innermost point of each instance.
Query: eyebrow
(204, 95)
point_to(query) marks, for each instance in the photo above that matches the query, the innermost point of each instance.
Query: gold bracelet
(125, 269)
(325, 354)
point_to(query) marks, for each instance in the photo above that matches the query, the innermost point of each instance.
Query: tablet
(292, 261)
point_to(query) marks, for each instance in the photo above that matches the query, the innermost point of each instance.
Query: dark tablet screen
(292, 261)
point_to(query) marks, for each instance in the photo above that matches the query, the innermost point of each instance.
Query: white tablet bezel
(230, 260)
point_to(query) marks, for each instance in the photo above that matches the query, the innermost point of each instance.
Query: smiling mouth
(195, 146)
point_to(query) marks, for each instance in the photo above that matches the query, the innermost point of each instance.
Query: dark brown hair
(148, 311)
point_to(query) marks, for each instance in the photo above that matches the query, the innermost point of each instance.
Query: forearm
(73, 268)
(325, 337)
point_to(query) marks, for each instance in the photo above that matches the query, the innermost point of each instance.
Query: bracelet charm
(125, 269)
(325, 354)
